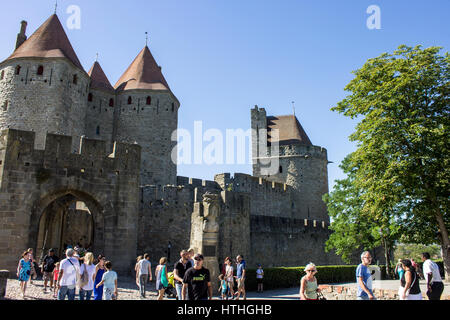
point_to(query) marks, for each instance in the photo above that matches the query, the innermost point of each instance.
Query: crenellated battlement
(197, 183)
(289, 225)
(19, 149)
(303, 151)
(242, 182)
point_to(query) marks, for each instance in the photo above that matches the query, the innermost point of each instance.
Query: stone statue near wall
(205, 233)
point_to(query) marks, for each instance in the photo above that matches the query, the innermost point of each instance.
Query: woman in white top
(229, 275)
(89, 267)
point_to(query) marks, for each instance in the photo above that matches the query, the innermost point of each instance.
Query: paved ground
(129, 291)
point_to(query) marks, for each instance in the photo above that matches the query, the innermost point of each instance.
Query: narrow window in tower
(5, 105)
(281, 169)
(90, 97)
(173, 107)
(149, 100)
(130, 101)
(2, 75)
(111, 102)
(75, 79)
(40, 70)
(18, 69)
(98, 130)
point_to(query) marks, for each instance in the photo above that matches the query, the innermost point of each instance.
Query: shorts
(47, 276)
(259, 280)
(108, 294)
(241, 283)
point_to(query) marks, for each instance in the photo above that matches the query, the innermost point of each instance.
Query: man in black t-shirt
(180, 268)
(197, 281)
(48, 265)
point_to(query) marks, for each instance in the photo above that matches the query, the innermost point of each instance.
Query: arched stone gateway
(67, 217)
(39, 189)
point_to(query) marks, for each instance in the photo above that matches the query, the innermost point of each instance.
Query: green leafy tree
(352, 228)
(414, 251)
(403, 138)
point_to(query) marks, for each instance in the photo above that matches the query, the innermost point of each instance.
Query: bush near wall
(288, 277)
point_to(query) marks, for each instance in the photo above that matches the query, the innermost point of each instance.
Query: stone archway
(66, 217)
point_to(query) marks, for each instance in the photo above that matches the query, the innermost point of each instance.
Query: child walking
(55, 279)
(109, 282)
(223, 287)
(259, 278)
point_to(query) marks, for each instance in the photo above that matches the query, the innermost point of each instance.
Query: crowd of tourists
(78, 270)
(409, 274)
(190, 280)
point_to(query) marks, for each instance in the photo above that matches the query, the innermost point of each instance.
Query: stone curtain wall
(151, 126)
(33, 179)
(234, 234)
(165, 215)
(277, 241)
(50, 102)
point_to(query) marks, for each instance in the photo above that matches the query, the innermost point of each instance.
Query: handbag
(84, 279)
(320, 296)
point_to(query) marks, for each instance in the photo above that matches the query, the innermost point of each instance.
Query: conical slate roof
(49, 41)
(143, 73)
(99, 80)
(290, 130)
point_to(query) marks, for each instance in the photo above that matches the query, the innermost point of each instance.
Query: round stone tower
(147, 113)
(43, 87)
(101, 101)
(295, 161)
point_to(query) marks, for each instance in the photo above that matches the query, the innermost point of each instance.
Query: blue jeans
(85, 294)
(178, 287)
(63, 291)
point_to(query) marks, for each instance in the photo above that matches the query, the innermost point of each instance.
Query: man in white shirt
(69, 270)
(432, 278)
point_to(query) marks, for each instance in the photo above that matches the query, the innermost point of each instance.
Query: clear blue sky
(223, 57)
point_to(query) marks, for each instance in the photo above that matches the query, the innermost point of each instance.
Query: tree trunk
(387, 258)
(445, 244)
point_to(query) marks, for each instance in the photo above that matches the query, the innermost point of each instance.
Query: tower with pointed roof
(43, 86)
(282, 152)
(147, 114)
(101, 102)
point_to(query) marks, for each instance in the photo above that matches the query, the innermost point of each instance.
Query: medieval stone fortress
(82, 161)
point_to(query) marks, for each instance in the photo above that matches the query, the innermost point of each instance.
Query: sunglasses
(311, 270)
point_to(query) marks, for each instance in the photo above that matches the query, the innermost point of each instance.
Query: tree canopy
(401, 168)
